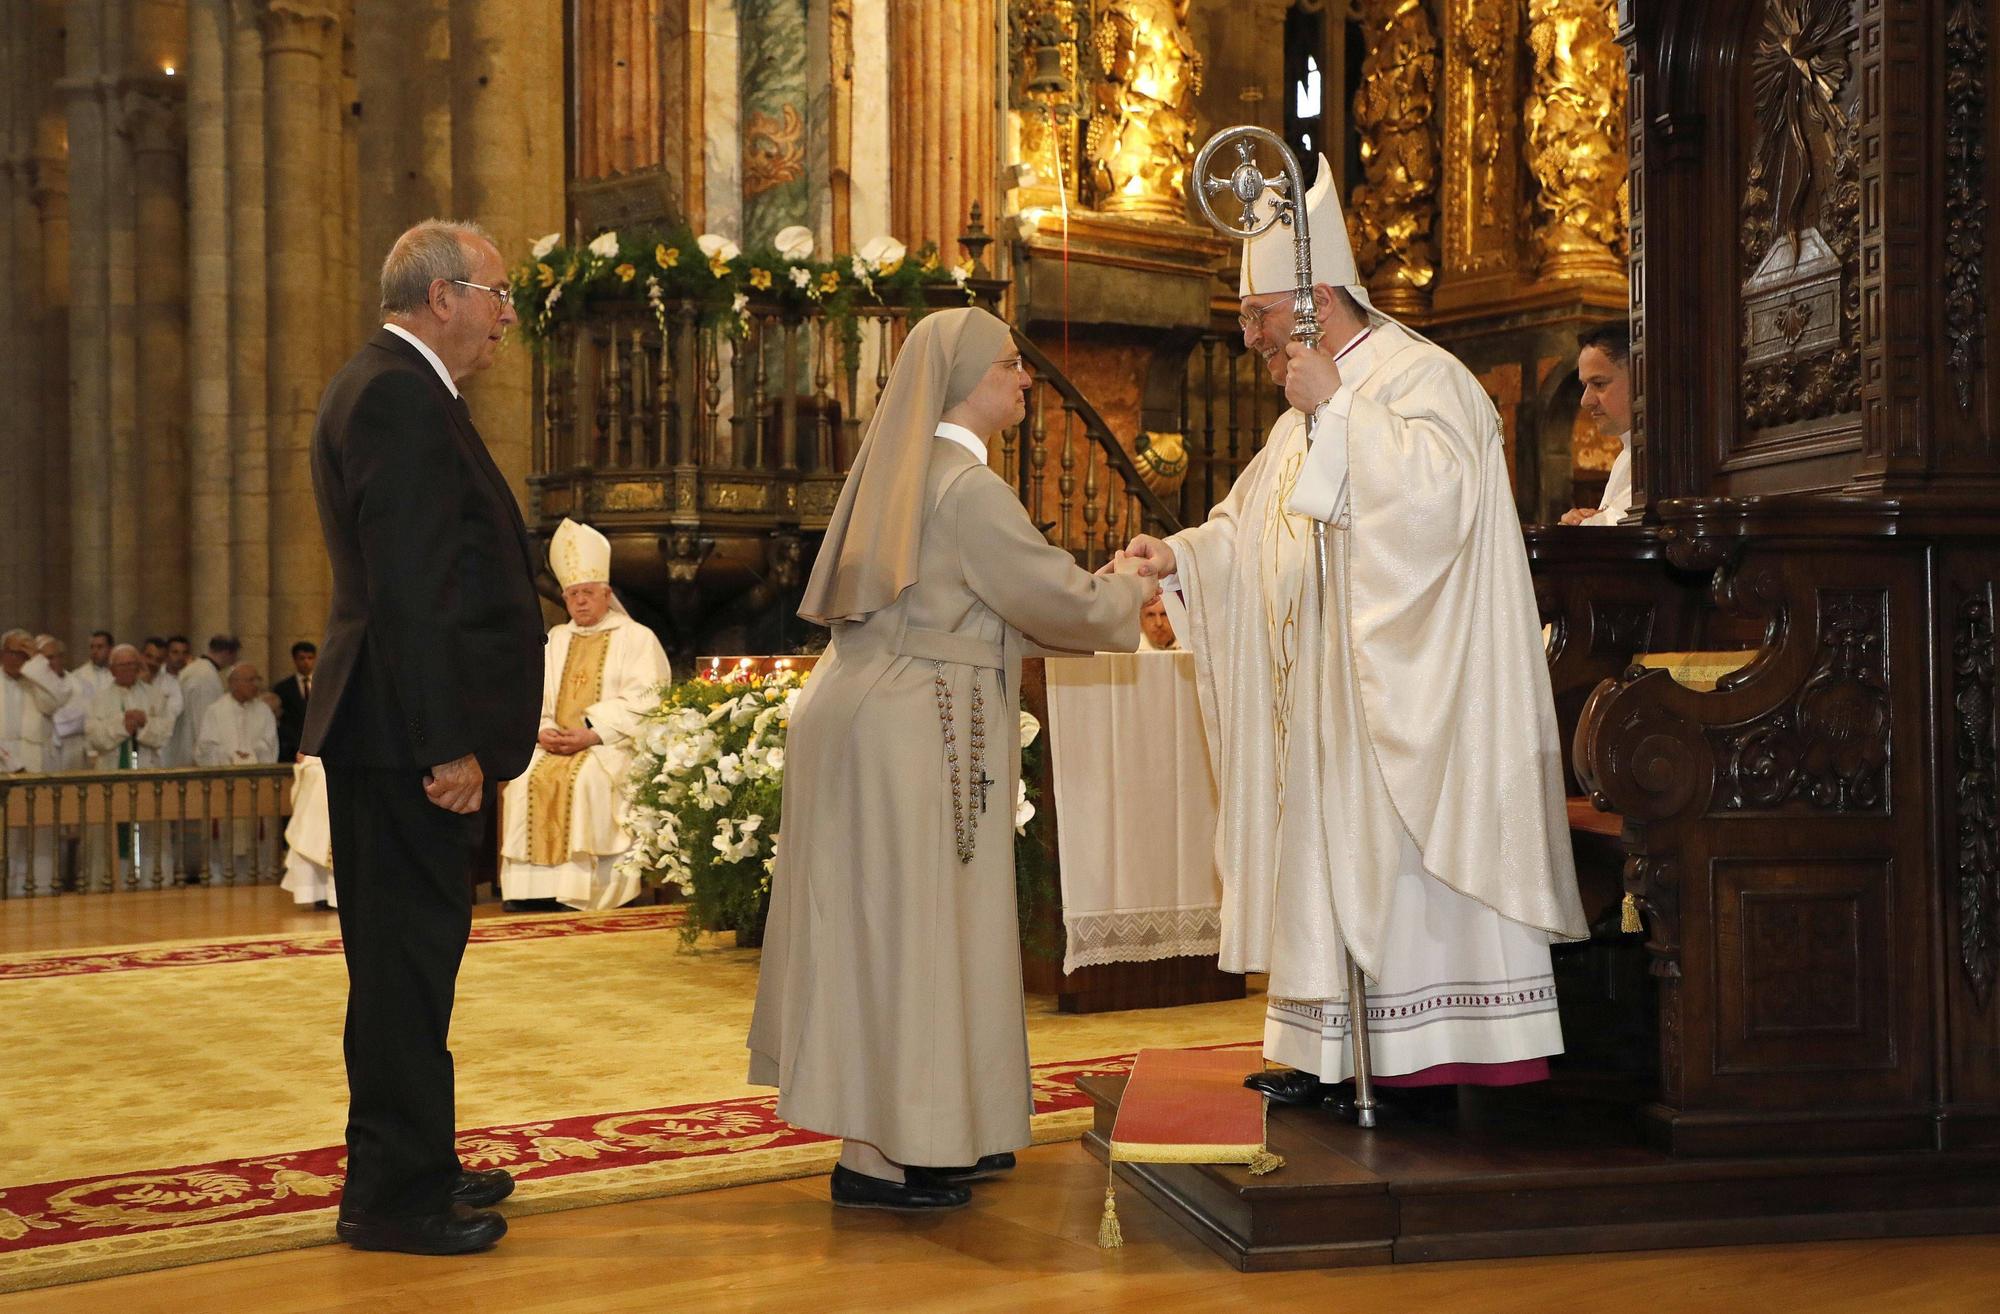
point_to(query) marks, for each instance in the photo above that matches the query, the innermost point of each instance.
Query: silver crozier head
(1247, 183)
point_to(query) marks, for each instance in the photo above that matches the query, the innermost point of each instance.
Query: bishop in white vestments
(563, 820)
(1389, 773)
(309, 839)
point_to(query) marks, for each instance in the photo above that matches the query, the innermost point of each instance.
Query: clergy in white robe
(563, 820)
(129, 726)
(85, 683)
(239, 729)
(31, 693)
(1389, 775)
(308, 839)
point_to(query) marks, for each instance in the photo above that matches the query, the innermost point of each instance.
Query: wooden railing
(98, 831)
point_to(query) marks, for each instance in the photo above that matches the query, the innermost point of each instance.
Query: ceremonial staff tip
(1247, 182)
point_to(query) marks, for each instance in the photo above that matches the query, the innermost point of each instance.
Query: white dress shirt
(1617, 488)
(429, 355)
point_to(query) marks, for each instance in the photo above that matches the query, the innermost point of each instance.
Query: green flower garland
(656, 267)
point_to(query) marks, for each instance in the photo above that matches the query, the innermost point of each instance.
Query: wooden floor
(1027, 1243)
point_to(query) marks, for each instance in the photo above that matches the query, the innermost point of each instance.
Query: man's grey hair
(245, 668)
(22, 635)
(434, 249)
(111, 657)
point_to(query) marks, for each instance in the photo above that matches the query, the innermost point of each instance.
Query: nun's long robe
(890, 1006)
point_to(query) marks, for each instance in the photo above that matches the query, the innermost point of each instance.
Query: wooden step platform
(1536, 1170)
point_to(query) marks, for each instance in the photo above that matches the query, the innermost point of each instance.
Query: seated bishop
(563, 821)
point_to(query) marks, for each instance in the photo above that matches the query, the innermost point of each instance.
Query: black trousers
(401, 866)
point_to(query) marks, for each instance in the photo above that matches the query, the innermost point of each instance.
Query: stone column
(944, 143)
(507, 174)
(403, 65)
(20, 433)
(162, 517)
(51, 201)
(89, 322)
(249, 520)
(209, 269)
(297, 37)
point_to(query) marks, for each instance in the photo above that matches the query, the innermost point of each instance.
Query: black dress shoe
(1293, 1086)
(482, 1189)
(459, 1230)
(989, 1165)
(919, 1194)
(532, 905)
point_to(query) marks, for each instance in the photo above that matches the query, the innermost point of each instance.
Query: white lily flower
(1030, 727)
(883, 250)
(794, 243)
(544, 245)
(801, 277)
(1024, 811)
(717, 247)
(605, 246)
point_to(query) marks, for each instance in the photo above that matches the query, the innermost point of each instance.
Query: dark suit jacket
(433, 645)
(291, 716)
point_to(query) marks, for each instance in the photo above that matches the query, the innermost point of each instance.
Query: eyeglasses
(1254, 319)
(1012, 363)
(500, 294)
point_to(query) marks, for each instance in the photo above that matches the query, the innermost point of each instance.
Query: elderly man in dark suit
(428, 695)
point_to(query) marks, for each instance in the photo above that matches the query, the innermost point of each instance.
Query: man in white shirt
(1603, 363)
(239, 730)
(85, 683)
(180, 749)
(31, 692)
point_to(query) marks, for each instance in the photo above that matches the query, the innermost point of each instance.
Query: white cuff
(1321, 490)
(1171, 583)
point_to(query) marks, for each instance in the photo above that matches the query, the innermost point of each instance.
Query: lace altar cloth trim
(1144, 936)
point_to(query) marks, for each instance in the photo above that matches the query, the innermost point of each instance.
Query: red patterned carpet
(106, 1092)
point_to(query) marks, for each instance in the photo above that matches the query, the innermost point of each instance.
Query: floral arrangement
(705, 792)
(653, 266)
(1035, 886)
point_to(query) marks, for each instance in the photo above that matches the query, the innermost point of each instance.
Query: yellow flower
(930, 264)
(830, 281)
(718, 266)
(545, 276)
(626, 273)
(666, 257)
(760, 279)
(889, 268)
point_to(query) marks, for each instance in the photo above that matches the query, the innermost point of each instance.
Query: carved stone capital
(295, 26)
(150, 117)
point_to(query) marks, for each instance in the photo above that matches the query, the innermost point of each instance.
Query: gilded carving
(1480, 154)
(1048, 93)
(735, 495)
(1978, 795)
(1574, 127)
(817, 498)
(1140, 140)
(1829, 746)
(1801, 219)
(630, 495)
(1965, 51)
(1393, 211)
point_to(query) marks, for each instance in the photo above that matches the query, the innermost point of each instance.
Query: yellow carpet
(159, 1067)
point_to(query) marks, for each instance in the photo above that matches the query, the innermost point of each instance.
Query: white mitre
(579, 554)
(1269, 260)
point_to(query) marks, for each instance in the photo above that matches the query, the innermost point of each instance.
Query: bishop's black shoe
(1293, 1086)
(921, 1193)
(481, 1190)
(989, 1165)
(459, 1230)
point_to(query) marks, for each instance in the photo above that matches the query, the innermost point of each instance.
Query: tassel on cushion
(1629, 920)
(1109, 1235)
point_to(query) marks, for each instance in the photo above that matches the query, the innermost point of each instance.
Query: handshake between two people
(1146, 557)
